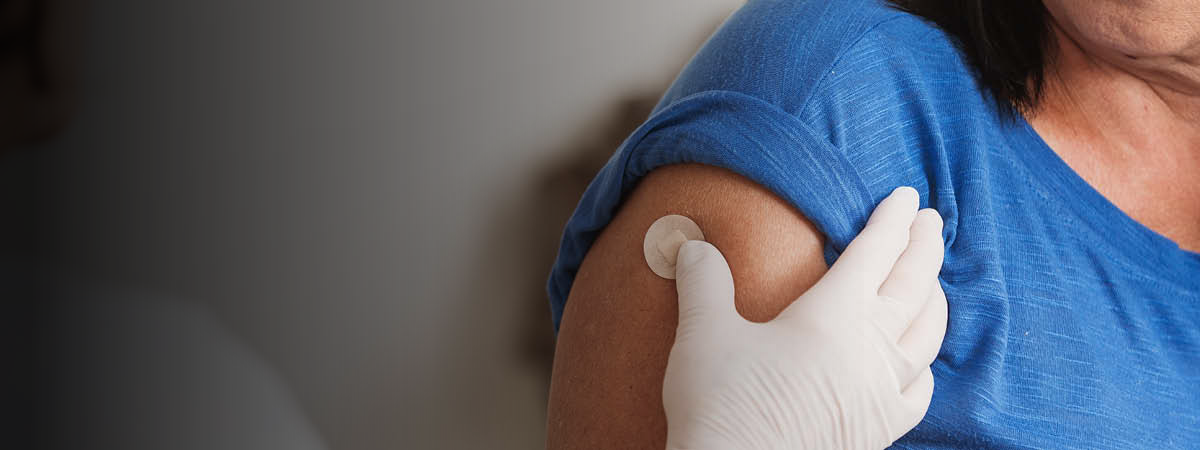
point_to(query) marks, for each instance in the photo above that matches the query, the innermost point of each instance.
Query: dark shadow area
(39, 58)
(490, 380)
(502, 365)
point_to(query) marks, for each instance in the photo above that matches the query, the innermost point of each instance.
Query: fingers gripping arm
(797, 381)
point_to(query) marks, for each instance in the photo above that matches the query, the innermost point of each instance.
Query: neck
(1120, 106)
(1131, 131)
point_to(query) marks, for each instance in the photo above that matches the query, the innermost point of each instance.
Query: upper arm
(619, 321)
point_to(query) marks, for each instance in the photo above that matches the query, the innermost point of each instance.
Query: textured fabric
(1071, 325)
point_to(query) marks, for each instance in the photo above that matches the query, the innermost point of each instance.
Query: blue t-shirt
(1071, 325)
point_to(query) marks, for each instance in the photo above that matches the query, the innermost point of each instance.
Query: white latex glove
(846, 366)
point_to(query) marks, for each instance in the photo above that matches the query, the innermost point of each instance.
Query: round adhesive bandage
(663, 240)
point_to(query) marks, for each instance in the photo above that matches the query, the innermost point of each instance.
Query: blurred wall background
(366, 194)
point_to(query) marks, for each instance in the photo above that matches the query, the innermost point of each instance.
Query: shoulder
(845, 67)
(903, 75)
(828, 104)
(878, 85)
(782, 51)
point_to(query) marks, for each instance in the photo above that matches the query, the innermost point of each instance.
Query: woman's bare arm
(620, 319)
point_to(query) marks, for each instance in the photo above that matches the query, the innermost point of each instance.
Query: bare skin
(614, 339)
(1122, 107)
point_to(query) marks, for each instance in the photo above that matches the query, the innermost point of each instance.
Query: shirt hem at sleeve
(736, 132)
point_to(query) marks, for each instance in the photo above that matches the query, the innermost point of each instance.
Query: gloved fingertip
(908, 191)
(691, 253)
(932, 217)
(704, 284)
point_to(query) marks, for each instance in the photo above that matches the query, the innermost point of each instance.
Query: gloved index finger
(869, 258)
(911, 279)
(705, 286)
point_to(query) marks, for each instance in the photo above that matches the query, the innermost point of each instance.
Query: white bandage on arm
(663, 239)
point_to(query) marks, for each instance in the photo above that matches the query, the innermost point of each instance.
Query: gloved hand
(846, 366)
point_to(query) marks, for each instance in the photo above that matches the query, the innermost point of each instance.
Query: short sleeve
(813, 100)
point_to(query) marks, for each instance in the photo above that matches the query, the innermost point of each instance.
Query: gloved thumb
(705, 287)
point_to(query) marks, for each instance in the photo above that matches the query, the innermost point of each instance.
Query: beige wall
(346, 183)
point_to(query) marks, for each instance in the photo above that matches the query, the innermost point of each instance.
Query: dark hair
(1005, 41)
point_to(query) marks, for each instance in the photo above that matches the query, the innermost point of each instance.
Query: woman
(1058, 142)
